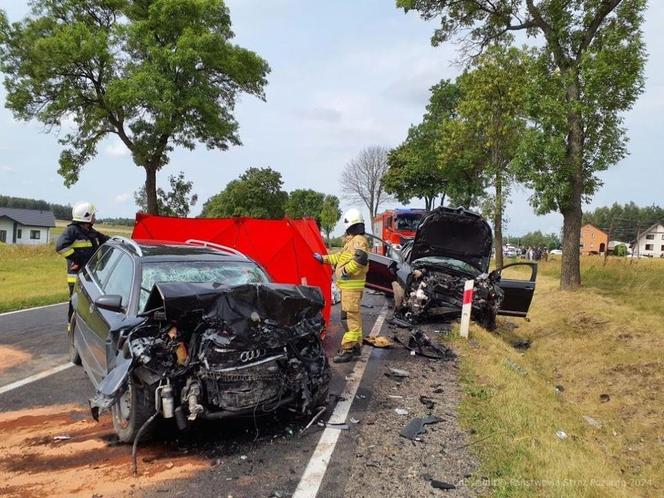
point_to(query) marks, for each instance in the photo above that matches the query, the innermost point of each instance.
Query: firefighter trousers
(351, 318)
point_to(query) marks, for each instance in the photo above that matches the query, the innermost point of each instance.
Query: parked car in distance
(193, 330)
(555, 252)
(427, 275)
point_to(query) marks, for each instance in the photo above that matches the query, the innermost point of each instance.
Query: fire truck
(395, 226)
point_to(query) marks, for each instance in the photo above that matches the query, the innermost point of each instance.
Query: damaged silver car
(427, 276)
(193, 331)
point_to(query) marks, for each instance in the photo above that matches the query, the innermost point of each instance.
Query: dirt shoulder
(387, 464)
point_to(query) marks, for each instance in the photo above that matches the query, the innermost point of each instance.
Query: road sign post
(467, 307)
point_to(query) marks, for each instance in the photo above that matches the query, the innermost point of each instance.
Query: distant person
(78, 243)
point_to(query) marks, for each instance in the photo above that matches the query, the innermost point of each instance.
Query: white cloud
(122, 198)
(116, 149)
(7, 169)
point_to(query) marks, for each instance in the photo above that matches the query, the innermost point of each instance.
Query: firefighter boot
(346, 355)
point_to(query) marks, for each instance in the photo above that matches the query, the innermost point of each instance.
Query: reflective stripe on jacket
(78, 245)
(352, 263)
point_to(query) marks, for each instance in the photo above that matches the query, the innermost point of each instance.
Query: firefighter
(350, 269)
(78, 243)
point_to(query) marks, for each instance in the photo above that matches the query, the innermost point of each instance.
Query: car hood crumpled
(454, 233)
(241, 309)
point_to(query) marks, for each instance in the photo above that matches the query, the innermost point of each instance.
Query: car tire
(74, 357)
(131, 411)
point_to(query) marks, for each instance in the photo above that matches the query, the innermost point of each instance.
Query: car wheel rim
(124, 405)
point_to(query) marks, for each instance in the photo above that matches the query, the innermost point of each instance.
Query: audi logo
(246, 356)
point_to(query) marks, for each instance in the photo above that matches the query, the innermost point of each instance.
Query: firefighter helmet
(83, 212)
(352, 217)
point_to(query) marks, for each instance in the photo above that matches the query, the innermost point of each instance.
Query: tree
(329, 215)
(362, 179)
(176, 202)
(490, 123)
(257, 193)
(154, 73)
(416, 169)
(590, 70)
(536, 239)
(305, 203)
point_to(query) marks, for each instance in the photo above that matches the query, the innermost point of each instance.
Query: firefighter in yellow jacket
(350, 269)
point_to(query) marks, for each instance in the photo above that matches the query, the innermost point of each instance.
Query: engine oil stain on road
(60, 450)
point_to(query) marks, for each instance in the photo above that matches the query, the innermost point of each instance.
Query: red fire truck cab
(395, 226)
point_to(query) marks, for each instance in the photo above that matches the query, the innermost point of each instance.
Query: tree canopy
(257, 193)
(362, 179)
(156, 74)
(329, 215)
(178, 201)
(589, 71)
(305, 203)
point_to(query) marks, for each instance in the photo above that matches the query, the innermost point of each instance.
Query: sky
(345, 75)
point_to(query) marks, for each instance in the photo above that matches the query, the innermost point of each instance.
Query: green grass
(31, 276)
(606, 338)
(109, 230)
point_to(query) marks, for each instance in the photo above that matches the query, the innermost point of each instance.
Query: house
(25, 226)
(593, 240)
(651, 242)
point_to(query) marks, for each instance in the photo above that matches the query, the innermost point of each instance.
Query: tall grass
(639, 282)
(596, 352)
(31, 276)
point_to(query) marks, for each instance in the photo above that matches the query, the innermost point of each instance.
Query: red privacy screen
(283, 247)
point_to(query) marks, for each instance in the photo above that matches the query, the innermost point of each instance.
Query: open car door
(518, 292)
(381, 273)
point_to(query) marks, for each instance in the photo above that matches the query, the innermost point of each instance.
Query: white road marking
(315, 471)
(31, 309)
(34, 378)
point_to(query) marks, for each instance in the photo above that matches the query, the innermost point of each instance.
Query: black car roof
(156, 249)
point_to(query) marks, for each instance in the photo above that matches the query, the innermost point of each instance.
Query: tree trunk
(498, 220)
(570, 274)
(428, 203)
(151, 189)
(442, 200)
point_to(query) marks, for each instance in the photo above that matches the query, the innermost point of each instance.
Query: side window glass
(104, 265)
(94, 260)
(120, 280)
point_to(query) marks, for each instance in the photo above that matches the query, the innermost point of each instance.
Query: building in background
(25, 226)
(593, 240)
(650, 242)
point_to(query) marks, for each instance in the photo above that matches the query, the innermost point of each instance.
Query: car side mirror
(110, 302)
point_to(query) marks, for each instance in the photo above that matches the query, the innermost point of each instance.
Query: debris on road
(428, 402)
(354, 420)
(397, 374)
(441, 484)
(378, 341)
(592, 422)
(401, 411)
(341, 427)
(562, 435)
(61, 438)
(416, 427)
(604, 398)
(315, 417)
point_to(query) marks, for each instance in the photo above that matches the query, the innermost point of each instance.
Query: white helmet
(83, 212)
(352, 217)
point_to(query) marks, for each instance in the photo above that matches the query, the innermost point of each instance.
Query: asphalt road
(247, 457)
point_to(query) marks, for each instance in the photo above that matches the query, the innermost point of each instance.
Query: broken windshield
(225, 273)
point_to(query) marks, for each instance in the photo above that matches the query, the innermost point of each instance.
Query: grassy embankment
(35, 275)
(605, 339)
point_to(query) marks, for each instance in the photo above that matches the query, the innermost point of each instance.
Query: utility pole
(608, 241)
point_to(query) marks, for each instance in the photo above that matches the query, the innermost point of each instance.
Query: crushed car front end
(211, 351)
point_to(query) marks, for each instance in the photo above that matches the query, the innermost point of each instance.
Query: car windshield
(408, 221)
(451, 263)
(223, 272)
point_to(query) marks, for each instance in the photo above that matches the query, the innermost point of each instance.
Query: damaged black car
(427, 275)
(190, 331)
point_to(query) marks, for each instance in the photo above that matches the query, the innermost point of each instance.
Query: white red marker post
(467, 307)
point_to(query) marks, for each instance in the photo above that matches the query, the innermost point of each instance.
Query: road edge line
(314, 473)
(34, 378)
(7, 313)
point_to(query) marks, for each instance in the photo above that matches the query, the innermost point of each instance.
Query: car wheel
(74, 357)
(131, 411)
